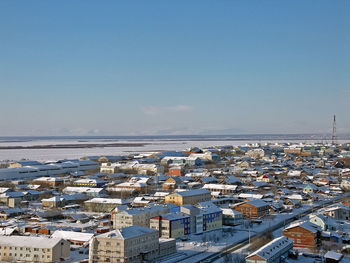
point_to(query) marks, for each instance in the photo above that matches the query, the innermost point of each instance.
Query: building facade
(188, 197)
(134, 244)
(33, 249)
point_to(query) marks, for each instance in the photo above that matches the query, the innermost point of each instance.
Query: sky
(174, 67)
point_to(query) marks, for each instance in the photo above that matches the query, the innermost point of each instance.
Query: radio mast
(334, 135)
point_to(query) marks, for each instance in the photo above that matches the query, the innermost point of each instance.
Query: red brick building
(304, 235)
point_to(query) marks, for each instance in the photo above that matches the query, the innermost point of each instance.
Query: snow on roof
(4, 189)
(333, 255)
(272, 248)
(29, 241)
(161, 194)
(258, 203)
(71, 235)
(7, 231)
(48, 179)
(193, 192)
(307, 225)
(82, 189)
(175, 216)
(230, 212)
(108, 201)
(247, 195)
(220, 186)
(127, 232)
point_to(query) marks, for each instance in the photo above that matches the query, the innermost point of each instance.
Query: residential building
(134, 244)
(273, 252)
(63, 200)
(33, 249)
(253, 209)
(224, 189)
(173, 183)
(137, 216)
(90, 183)
(89, 191)
(188, 197)
(231, 217)
(104, 205)
(303, 234)
(49, 181)
(172, 225)
(339, 212)
(176, 171)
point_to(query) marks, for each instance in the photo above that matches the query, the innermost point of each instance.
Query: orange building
(176, 171)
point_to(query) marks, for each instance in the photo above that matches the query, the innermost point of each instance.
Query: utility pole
(249, 235)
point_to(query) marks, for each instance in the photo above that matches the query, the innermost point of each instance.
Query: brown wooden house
(304, 235)
(253, 209)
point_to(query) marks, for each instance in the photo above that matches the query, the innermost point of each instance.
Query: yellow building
(33, 249)
(188, 197)
(134, 244)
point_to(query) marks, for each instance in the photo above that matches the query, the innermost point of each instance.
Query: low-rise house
(250, 196)
(136, 184)
(339, 212)
(90, 183)
(109, 168)
(233, 180)
(49, 181)
(303, 234)
(310, 188)
(176, 171)
(222, 188)
(275, 251)
(10, 212)
(33, 249)
(75, 238)
(140, 201)
(265, 178)
(89, 191)
(173, 183)
(77, 218)
(253, 209)
(104, 205)
(320, 220)
(63, 200)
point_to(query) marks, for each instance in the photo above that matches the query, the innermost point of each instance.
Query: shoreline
(73, 146)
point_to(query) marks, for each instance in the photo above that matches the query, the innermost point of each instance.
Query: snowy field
(150, 145)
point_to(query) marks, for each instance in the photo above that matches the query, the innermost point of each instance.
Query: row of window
(26, 255)
(26, 248)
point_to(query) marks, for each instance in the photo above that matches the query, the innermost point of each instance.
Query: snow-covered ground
(150, 145)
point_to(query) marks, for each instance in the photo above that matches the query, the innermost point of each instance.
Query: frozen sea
(151, 143)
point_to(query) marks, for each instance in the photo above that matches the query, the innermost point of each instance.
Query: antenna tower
(334, 135)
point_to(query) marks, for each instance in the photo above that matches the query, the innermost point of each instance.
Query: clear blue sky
(174, 67)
